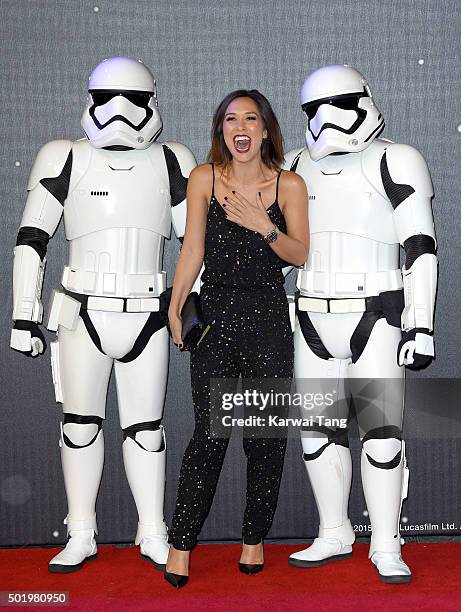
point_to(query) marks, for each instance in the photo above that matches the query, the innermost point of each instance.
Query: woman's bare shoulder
(201, 181)
(201, 172)
(292, 181)
(292, 188)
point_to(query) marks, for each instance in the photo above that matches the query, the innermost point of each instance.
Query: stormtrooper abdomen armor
(354, 248)
(117, 222)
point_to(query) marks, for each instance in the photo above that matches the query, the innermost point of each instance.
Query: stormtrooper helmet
(341, 114)
(122, 110)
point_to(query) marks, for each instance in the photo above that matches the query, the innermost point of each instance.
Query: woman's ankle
(252, 553)
(178, 561)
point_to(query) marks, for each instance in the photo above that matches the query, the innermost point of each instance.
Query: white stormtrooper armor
(119, 192)
(360, 318)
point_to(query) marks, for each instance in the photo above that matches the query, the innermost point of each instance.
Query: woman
(243, 242)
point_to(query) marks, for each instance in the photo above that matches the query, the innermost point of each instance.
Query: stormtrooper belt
(116, 304)
(338, 305)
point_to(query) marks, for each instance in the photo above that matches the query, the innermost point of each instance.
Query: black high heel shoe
(176, 580)
(251, 568)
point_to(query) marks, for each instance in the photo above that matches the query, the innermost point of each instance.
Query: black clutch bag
(194, 327)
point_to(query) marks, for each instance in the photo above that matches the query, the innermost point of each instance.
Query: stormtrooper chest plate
(354, 248)
(117, 189)
(341, 199)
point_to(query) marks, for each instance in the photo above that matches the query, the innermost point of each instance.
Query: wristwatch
(272, 235)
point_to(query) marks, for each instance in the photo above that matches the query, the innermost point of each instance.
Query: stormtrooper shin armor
(119, 193)
(360, 318)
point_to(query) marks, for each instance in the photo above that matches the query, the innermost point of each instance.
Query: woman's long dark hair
(271, 147)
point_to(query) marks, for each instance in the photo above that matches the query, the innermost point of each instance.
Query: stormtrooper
(119, 192)
(360, 317)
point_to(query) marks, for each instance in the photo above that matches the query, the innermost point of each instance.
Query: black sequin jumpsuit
(243, 296)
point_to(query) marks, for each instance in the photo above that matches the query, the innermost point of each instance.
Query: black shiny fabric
(244, 301)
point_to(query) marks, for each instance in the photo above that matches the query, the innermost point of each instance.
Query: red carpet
(120, 580)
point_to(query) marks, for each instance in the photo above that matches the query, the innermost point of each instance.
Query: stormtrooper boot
(330, 476)
(81, 547)
(82, 464)
(145, 470)
(384, 489)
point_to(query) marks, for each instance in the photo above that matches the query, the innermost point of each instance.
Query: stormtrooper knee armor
(120, 192)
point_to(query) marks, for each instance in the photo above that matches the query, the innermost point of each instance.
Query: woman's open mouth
(242, 143)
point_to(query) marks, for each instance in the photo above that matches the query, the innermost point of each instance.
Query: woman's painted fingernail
(224, 206)
(233, 191)
(225, 197)
(259, 193)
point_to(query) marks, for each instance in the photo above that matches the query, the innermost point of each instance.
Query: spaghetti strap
(212, 188)
(277, 186)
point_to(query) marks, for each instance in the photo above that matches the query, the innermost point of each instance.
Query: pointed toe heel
(251, 568)
(176, 580)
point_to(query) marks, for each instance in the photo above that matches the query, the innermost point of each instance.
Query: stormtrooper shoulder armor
(50, 161)
(408, 186)
(405, 163)
(180, 162)
(48, 186)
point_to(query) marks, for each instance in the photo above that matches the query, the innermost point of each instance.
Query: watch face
(272, 235)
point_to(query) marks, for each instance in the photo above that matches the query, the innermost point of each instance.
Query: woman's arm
(193, 249)
(292, 247)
